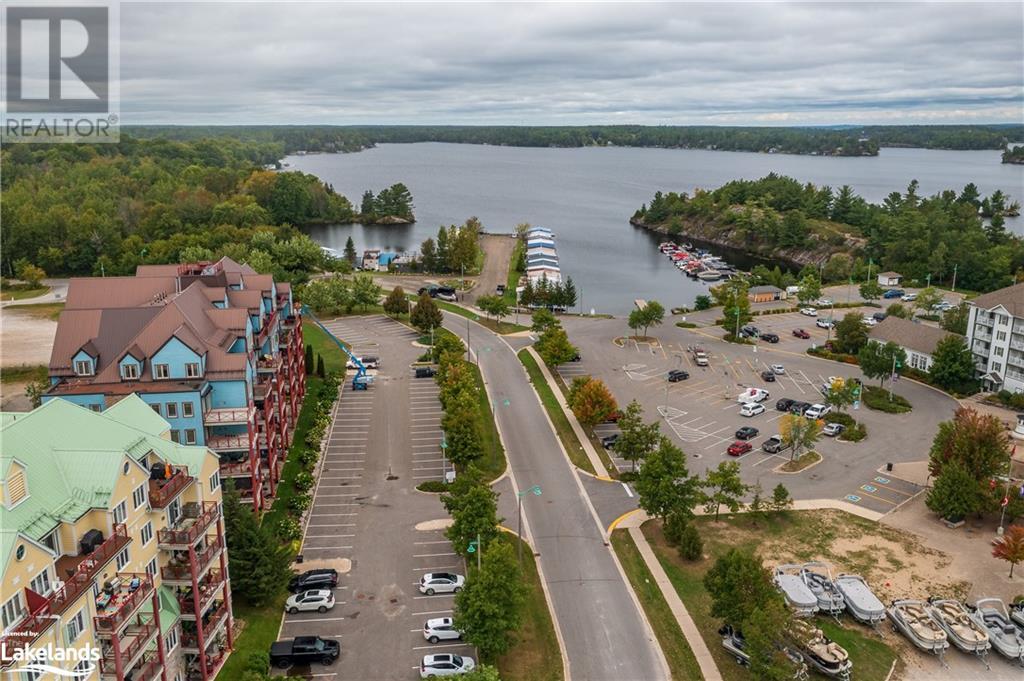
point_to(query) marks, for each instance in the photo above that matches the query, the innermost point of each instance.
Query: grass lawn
(562, 427)
(49, 311)
(535, 655)
(878, 399)
(803, 461)
(493, 325)
(512, 280)
(595, 441)
(22, 294)
(678, 653)
(808, 536)
(492, 463)
(23, 374)
(324, 346)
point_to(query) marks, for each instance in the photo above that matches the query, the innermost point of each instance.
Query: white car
(751, 409)
(909, 297)
(870, 321)
(816, 411)
(441, 583)
(752, 395)
(441, 629)
(824, 302)
(777, 369)
(314, 600)
(832, 380)
(824, 323)
(809, 311)
(445, 664)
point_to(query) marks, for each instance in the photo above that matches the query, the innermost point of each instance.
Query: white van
(752, 395)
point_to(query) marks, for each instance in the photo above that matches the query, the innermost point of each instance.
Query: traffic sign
(472, 547)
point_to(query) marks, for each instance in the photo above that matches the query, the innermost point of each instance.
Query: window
(41, 583)
(190, 436)
(998, 350)
(139, 496)
(175, 436)
(171, 640)
(11, 611)
(192, 370)
(174, 512)
(146, 533)
(120, 513)
(75, 626)
(172, 410)
(161, 371)
(186, 410)
(1000, 335)
(156, 408)
(215, 481)
(130, 372)
(83, 367)
(82, 666)
(41, 658)
(96, 407)
(122, 559)
(151, 568)
(997, 367)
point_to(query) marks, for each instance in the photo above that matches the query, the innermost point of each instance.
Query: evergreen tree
(428, 255)
(350, 251)
(425, 314)
(396, 303)
(569, 295)
(442, 251)
(309, 359)
(259, 565)
(320, 371)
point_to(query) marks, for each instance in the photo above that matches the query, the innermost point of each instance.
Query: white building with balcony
(995, 334)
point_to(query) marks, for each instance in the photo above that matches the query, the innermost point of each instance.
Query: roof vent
(16, 489)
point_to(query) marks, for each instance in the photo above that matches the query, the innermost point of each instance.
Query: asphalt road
(605, 634)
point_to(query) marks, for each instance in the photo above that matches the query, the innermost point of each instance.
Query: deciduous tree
(739, 585)
(1010, 547)
(365, 291)
(955, 494)
(953, 365)
(876, 360)
(798, 433)
(870, 290)
(593, 403)
(851, 334)
(927, 299)
(489, 609)
(664, 484)
(496, 306)
(954, 319)
(724, 486)
(977, 441)
(810, 289)
(396, 303)
(554, 347)
(636, 438)
(542, 320)
(474, 512)
(425, 314)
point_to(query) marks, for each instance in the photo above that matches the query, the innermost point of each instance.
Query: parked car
(799, 407)
(770, 337)
(446, 294)
(816, 411)
(824, 323)
(326, 578)
(608, 441)
(832, 429)
(772, 445)
(809, 311)
(370, 362)
(909, 297)
(425, 372)
(445, 664)
(753, 395)
(778, 369)
(614, 416)
(784, 404)
(677, 375)
(441, 629)
(800, 333)
(768, 376)
(739, 448)
(500, 289)
(429, 289)
(879, 316)
(441, 582)
(749, 331)
(751, 409)
(746, 433)
(304, 650)
(318, 600)
(870, 321)
(893, 293)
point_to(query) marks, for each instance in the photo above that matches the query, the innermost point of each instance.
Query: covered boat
(736, 645)
(912, 619)
(1006, 638)
(818, 579)
(799, 597)
(860, 601)
(823, 654)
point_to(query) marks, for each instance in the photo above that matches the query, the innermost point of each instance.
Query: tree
(977, 441)
(489, 608)
(702, 302)
(927, 299)
(428, 255)
(309, 359)
(29, 273)
(495, 306)
(320, 370)
(474, 513)
(368, 208)
(542, 320)
(781, 500)
(798, 433)
(664, 484)
(691, 546)
(1010, 547)
(955, 493)
(635, 320)
(425, 315)
(350, 251)
(810, 289)
(636, 438)
(870, 290)
(365, 291)
(735, 302)
(954, 319)
(898, 310)
(593, 403)
(35, 390)
(653, 314)
(761, 632)
(260, 565)
(877, 360)
(851, 334)
(396, 303)
(569, 295)
(725, 487)
(739, 585)
(953, 365)
(447, 344)
(554, 347)
(463, 430)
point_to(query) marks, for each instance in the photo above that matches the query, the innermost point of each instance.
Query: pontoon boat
(860, 601)
(1006, 638)
(912, 619)
(818, 578)
(799, 597)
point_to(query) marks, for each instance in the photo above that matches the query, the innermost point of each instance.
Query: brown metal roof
(908, 334)
(1011, 298)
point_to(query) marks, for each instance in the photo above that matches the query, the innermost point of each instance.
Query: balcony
(215, 659)
(269, 365)
(211, 623)
(265, 330)
(228, 416)
(180, 572)
(114, 607)
(228, 443)
(194, 524)
(209, 589)
(241, 469)
(148, 668)
(987, 320)
(163, 492)
(138, 635)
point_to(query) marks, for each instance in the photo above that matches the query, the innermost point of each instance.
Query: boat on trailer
(823, 654)
(912, 619)
(961, 630)
(818, 578)
(1006, 638)
(860, 601)
(800, 599)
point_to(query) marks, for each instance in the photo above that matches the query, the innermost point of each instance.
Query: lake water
(587, 196)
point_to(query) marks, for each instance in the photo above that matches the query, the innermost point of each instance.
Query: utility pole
(954, 276)
(469, 348)
(928, 279)
(479, 552)
(535, 490)
(1005, 501)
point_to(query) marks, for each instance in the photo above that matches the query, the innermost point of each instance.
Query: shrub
(1011, 400)
(674, 527)
(258, 661)
(304, 481)
(432, 486)
(308, 457)
(702, 302)
(729, 337)
(686, 325)
(289, 529)
(834, 356)
(300, 503)
(691, 546)
(854, 431)
(878, 399)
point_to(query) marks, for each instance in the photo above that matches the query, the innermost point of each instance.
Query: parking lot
(882, 493)
(383, 442)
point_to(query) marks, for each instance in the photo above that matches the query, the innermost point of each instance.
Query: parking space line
(318, 619)
(432, 555)
(439, 541)
(441, 645)
(429, 612)
(866, 494)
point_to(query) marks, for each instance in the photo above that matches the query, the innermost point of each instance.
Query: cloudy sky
(572, 63)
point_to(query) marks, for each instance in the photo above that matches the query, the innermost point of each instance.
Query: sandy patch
(25, 339)
(342, 565)
(432, 525)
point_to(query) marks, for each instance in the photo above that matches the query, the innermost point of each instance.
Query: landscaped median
(494, 325)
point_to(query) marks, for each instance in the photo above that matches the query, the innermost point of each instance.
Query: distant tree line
(391, 205)
(1014, 155)
(549, 294)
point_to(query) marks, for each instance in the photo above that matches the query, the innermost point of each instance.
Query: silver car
(441, 583)
(314, 600)
(441, 629)
(445, 664)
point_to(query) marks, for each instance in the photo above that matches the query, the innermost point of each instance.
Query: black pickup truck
(304, 650)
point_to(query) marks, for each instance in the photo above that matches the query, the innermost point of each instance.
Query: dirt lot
(26, 337)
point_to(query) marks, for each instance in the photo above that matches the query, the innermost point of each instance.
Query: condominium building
(995, 334)
(112, 541)
(214, 348)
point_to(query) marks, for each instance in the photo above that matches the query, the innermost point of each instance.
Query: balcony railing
(242, 469)
(148, 668)
(225, 416)
(189, 529)
(140, 638)
(270, 365)
(269, 324)
(209, 590)
(130, 594)
(163, 492)
(228, 443)
(182, 572)
(213, 620)
(215, 659)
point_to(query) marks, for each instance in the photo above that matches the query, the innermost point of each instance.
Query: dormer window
(192, 370)
(130, 372)
(161, 371)
(83, 367)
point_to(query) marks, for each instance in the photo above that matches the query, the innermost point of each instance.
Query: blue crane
(362, 380)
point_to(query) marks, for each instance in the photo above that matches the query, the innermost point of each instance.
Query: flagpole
(1006, 494)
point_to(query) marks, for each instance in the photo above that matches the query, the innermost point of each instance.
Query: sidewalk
(588, 446)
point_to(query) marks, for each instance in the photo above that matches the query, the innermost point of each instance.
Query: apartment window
(171, 640)
(192, 370)
(120, 513)
(174, 512)
(75, 626)
(215, 481)
(130, 371)
(122, 559)
(41, 583)
(1002, 320)
(83, 367)
(151, 568)
(161, 371)
(190, 436)
(156, 408)
(82, 666)
(998, 350)
(172, 410)
(186, 410)
(139, 496)
(96, 407)
(175, 436)
(1000, 335)
(41, 658)
(146, 533)
(11, 611)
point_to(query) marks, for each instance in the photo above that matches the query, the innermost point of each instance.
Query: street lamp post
(535, 490)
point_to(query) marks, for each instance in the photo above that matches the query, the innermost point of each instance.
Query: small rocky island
(391, 206)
